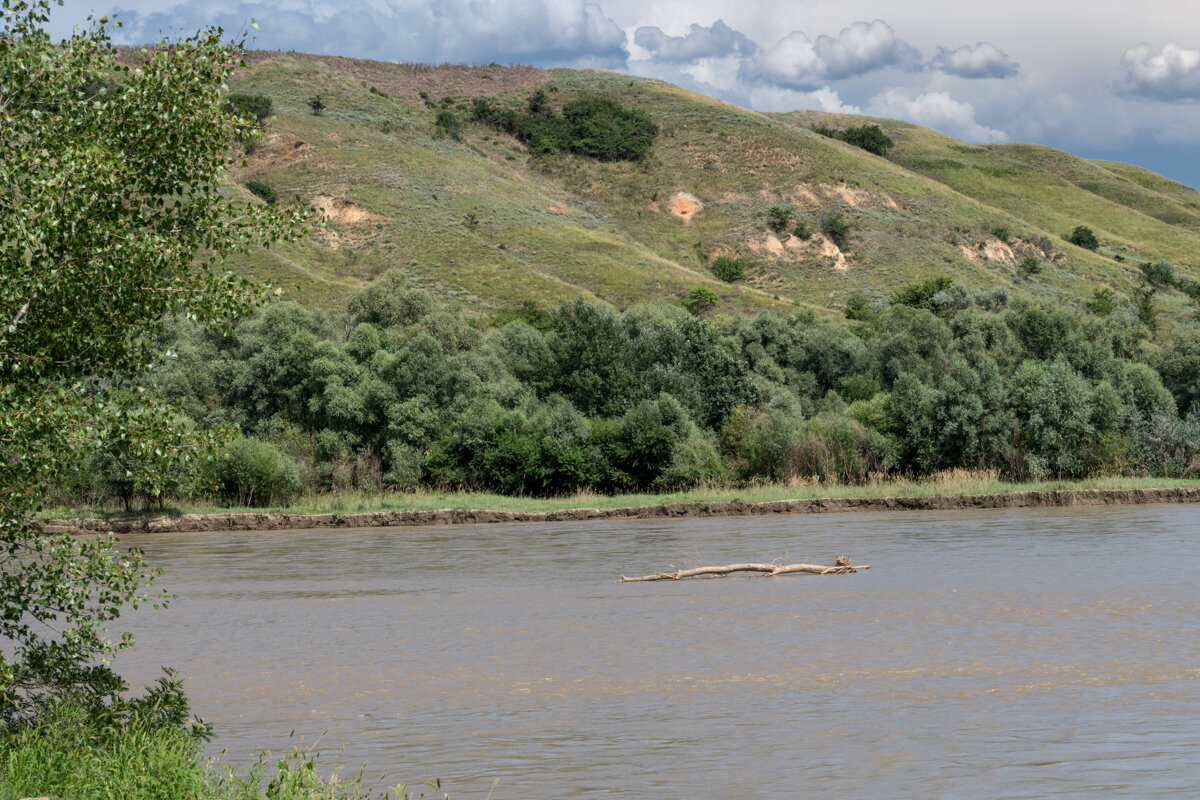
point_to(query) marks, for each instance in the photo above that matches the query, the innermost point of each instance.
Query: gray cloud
(699, 42)
(541, 32)
(982, 60)
(797, 62)
(1173, 73)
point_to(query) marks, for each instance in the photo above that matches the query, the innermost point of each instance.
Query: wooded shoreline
(270, 521)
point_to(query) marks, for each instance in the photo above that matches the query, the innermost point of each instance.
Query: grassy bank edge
(952, 485)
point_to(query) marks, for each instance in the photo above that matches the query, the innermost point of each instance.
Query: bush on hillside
(780, 216)
(1084, 237)
(700, 298)
(593, 126)
(836, 229)
(1160, 274)
(729, 269)
(920, 295)
(255, 106)
(868, 137)
(262, 190)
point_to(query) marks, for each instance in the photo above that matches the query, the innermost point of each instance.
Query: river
(1001, 654)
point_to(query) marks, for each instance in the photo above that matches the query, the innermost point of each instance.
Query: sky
(1108, 79)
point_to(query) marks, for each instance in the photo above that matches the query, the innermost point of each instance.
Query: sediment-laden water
(1007, 653)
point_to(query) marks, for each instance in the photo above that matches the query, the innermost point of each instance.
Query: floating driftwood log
(840, 567)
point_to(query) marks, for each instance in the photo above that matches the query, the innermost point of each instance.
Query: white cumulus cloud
(699, 42)
(797, 62)
(1171, 73)
(937, 110)
(982, 60)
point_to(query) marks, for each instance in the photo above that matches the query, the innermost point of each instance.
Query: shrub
(694, 462)
(729, 269)
(528, 312)
(1160, 274)
(992, 299)
(1032, 265)
(316, 105)
(920, 295)
(1103, 302)
(837, 229)
(1167, 446)
(802, 231)
(606, 130)
(256, 106)
(858, 307)
(1083, 237)
(263, 190)
(868, 137)
(780, 216)
(700, 298)
(593, 126)
(1002, 233)
(449, 125)
(257, 473)
(1144, 303)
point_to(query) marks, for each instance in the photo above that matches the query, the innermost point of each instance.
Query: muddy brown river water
(1000, 654)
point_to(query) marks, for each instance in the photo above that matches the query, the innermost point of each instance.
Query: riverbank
(430, 508)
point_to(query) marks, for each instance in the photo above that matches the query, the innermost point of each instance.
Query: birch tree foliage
(113, 218)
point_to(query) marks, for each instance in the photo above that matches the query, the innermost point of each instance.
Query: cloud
(542, 32)
(937, 110)
(772, 98)
(983, 60)
(797, 62)
(1173, 73)
(699, 42)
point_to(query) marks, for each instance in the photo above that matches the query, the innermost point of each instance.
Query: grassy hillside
(482, 220)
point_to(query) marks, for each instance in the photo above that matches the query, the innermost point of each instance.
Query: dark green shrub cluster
(780, 216)
(594, 125)
(868, 137)
(528, 312)
(920, 295)
(1103, 302)
(837, 229)
(316, 105)
(729, 269)
(858, 307)
(449, 125)
(1160, 274)
(262, 190)
(1084, 237)
(254, 106)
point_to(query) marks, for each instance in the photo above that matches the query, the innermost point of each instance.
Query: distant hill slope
(482, 220)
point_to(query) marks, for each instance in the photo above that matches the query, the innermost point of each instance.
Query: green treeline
(401, 390)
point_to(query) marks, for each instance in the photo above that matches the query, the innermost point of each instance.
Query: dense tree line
(401, 390)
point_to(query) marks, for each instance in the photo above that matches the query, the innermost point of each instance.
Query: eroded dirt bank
(726, 508)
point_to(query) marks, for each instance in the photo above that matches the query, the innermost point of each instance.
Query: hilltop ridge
(471, 214)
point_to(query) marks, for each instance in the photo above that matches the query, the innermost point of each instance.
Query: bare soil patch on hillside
(352, 220)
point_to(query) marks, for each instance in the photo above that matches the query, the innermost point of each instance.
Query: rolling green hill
(482, 220)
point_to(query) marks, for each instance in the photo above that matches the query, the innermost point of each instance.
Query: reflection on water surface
(1024, 653)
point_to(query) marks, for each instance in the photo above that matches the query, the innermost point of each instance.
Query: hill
(473, 215)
